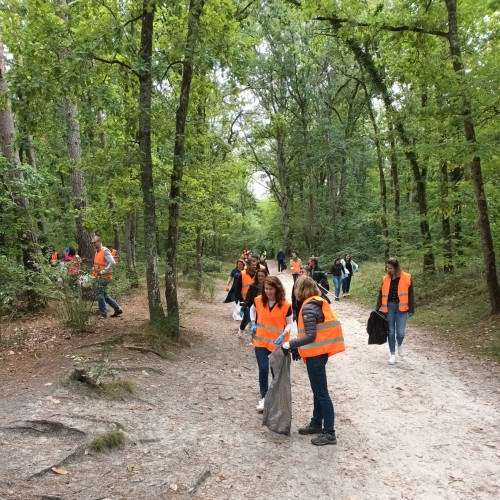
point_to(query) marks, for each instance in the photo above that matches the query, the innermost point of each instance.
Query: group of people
(105, 259)
(264, 307)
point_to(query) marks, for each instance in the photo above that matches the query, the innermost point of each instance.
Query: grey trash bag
(278, 402)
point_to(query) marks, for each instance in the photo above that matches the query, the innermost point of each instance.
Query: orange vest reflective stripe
(295, 266)
(329, 338)
(270, 323)
(403, 291)
(100, 264)
(246, 281)
(114, 253)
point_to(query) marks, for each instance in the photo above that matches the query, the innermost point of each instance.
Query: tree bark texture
(156, 313)
(197, 262)
(445, 219)
(195, 11)
(78, 190)
(475, 164)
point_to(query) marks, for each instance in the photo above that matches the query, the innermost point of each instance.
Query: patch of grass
(454, 306)
(108, 441)
(119, 387)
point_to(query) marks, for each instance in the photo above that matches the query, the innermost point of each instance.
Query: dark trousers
(262, 356)
(346, 284)
(246, 319)
(281, 265)
(323, 412)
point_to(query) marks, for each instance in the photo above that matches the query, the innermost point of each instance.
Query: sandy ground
(425, 428)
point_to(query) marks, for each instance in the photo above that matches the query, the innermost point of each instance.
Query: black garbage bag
(377, 328)
(278, 402)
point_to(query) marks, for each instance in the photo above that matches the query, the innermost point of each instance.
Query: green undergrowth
(454, 306)
(108, 440)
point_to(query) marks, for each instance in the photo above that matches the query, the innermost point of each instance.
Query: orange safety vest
(100, 264)
(270, 323)
(295, 266)
(53, 258)
(329, 338)
(403, 288)
(246, 281)
(114, 253)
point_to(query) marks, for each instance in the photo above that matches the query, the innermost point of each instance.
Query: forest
(372, 127)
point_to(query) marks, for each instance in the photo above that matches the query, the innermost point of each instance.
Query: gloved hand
(295, 354)
(253, 328)
(279, 340)
(242, 313)
(357, 270)
(227, 287)
(102, 273)
(410, 314)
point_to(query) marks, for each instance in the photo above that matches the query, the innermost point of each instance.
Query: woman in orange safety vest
(396, 299)
(320, 336)
(271, 318)
(295, 265)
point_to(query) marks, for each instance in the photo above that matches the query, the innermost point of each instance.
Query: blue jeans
(262, 356)
(397, 324)
(337, 282)
(346, 284)
(104, 298)
(295, 276)
(323, 412)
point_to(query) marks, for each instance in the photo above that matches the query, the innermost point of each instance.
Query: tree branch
(337, 22)
(116, 61)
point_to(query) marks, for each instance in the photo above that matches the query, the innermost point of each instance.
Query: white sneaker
(260, 406)
(240, 333)
(401, 351)
(392, 359)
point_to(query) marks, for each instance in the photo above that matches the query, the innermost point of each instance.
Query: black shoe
(116, 314)
(310, 429)
(324, 439)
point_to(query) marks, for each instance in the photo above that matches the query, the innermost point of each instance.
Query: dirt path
(426, 428)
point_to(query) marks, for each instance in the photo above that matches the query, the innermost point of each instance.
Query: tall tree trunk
(197, 260)
(195, 11)
(156, 313)
(475, 165)
(396, 188)
(130, 243)
(457, 174)
(284, 198)
(25, 233)
(382, 183)
(78, 191)
(445, 219)
(365, 59)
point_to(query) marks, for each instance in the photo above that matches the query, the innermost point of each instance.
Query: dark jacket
(254, 290)
(377, 328)
(312, 314)
(281, 255)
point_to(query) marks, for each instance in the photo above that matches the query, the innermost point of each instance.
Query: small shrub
(76, 312)
(210, 265)
(108, 440)
(119, 387)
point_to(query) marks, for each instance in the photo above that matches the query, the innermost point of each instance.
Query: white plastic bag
(236, 312)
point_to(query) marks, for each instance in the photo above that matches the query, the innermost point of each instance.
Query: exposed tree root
(38, 427)
(200, 480)
(76, 454)
(138, 369)
(145, 350)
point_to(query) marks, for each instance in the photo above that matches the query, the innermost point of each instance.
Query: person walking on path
(350, 266)
(103, 273)
(396, 299)
(281, 257)
(338, 272)
(245, 279)
(254, 291)
(320, 277)
(319, 337)
(271, 317)
(296, 305)
(263, 263)
(295, 265)
(231, 281)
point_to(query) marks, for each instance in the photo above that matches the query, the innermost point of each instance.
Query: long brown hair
(395, 264)
(275, 282)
